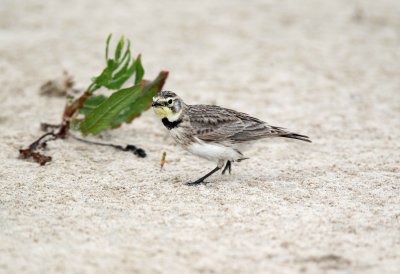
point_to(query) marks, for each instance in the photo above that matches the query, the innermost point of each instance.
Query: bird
(212, 132)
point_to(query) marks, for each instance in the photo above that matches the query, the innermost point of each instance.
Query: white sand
(328, 69)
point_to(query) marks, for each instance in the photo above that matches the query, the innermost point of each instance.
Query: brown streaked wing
(214, 123)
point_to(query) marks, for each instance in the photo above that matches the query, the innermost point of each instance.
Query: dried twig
(163, 160)
(40, 143)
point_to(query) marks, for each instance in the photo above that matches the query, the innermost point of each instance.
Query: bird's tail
(296, 136)
(282, 132)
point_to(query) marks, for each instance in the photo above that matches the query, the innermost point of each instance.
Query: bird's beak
(155, 104)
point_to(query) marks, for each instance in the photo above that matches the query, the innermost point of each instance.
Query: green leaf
(103, 78)
(101, 117)
(111, 65)
(139, 70)
(123, 74)
(92, 87)
(119, 48)
(122, 70)
(127, 54)
(122, 78)
(107, 45)
(118, 70)
(142, 102)
(74, 124)
(91, 103)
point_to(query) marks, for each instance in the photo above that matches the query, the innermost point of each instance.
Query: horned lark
(212, 132)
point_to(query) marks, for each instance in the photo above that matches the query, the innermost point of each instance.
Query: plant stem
(37, 143)
(69, 111)
(136, 150)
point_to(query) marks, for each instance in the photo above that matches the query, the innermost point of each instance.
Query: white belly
(214, 152)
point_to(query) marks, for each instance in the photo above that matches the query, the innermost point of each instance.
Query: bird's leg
(228, 166)
(201, 180)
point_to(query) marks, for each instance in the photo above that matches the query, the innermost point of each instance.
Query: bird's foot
(196, 183)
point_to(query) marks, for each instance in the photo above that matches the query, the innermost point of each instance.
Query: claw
(196, 183)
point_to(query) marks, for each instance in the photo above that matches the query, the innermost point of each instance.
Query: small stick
(163, 160)
(39, 143)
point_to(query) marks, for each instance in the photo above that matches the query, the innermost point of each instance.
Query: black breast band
(171, 125)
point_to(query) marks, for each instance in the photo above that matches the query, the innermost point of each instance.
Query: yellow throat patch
(163, 112)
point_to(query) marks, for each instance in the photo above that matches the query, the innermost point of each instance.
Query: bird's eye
(170, 102)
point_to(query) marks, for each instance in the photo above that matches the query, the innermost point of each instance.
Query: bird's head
(167, 104)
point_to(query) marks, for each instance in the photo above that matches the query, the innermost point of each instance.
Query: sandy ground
(328, 69)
